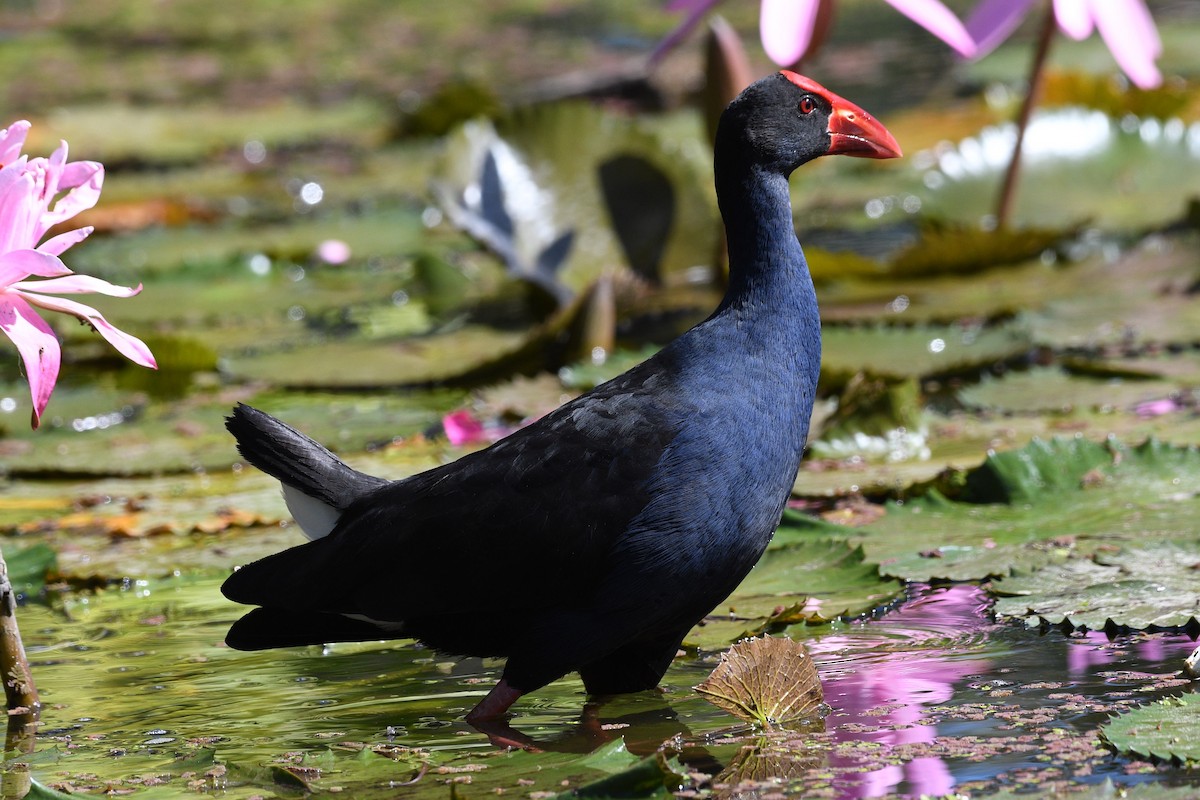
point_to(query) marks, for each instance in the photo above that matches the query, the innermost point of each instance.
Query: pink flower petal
(993, 21)
(786, 28)
(17, 265)
(57, 245)
(126, 344)
(12, 139)
(38, 346)
(1128, 29)
(21, 207)
(1075, 17)
(76, 284)
(938, 20)
(462, 428)
(83, 181)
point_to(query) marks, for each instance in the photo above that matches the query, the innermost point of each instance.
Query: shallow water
(927, 698)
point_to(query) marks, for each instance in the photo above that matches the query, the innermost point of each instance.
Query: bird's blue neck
(768, 271)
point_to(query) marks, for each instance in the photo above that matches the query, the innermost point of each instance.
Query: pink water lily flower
(35, 195)
(789, 28)
(1125, 26)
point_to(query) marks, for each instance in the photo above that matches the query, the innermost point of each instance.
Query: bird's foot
(503, 735)
(488, 718)
(496, 704)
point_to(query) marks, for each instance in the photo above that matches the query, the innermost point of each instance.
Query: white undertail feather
(315, 518)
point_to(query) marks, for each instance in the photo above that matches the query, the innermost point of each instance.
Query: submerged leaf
(767, 680)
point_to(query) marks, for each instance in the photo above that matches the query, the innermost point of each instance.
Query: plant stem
(1036, 75)
(19, 689)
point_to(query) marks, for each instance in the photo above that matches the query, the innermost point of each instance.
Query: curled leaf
(768, 681)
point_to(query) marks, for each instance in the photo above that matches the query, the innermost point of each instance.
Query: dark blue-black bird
(592, 540)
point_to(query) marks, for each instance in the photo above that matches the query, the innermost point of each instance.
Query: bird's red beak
(852, 131)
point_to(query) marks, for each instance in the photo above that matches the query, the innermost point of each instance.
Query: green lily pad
(954, 249)
(800, 579)
(917, 351)
(1028, 507)
(655, 776)
(1168, 729)
(1049, 389)
(1141, 587)
(28, 567)
(169, 135)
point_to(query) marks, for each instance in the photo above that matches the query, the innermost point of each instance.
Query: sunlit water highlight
(135, 683)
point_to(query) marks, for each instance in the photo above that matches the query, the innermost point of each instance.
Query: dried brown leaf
(767, 680)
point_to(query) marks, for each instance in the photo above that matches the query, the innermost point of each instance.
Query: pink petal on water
(786, 28)
(940, 21)
(334, 251)
(1075, 17)
(38, 346)
(57, 245)
(993, 21)
(1155, 408)
(462, 428)
(16, 265)
(126, 344)
(1128, 29)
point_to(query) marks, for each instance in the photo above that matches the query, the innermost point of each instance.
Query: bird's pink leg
(498, 701)
(487, 718)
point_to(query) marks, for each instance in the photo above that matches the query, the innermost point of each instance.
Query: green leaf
(27, 567)
(653, 776)
(1058, 391)
(1168, 729)
(916, 351)
(967, 249)
(1035, 506)
(1142, 587)
(799, 579)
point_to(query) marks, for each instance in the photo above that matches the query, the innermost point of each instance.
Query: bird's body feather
(594, 538)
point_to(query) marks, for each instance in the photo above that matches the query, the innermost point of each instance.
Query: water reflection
(886, 698)
(936, 694)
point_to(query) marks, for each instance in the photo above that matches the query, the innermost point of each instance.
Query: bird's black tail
(317, 485)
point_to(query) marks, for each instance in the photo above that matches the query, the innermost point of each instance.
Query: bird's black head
(785, 119)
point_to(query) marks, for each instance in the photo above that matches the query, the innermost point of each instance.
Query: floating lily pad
(1030, 506)
(182, 134)
(800, 579)
(1048, 389)
(963, 250)
(1168, 729)
(917, 351)
(1141, 587)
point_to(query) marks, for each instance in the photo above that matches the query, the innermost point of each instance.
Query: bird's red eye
(807, 105)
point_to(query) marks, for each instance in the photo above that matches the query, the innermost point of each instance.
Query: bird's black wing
(528, 521)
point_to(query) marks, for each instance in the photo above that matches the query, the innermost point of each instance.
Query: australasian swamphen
(595, 538)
